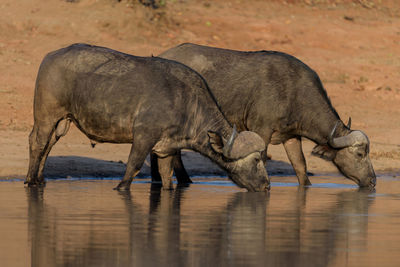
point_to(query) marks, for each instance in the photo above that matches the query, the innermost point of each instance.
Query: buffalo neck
(200, 142)
(318, 127)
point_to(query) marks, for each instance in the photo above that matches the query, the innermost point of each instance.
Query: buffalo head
(242, 158)
(350, 153)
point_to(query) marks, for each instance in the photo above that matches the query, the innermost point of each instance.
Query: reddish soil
(354, 45)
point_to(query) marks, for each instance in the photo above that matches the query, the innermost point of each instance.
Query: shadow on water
(196, 164)
(76, 166)
(198, 228)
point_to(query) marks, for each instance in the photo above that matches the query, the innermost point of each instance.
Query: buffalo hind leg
(42, 138)
(39, 141)
(296, 157)
(155, 174)
(37, 145)
(180, 172)
(61, 130)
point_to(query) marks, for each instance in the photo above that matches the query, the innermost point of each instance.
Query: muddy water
(210, 223)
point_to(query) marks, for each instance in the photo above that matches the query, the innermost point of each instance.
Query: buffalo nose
(266, 187)
(373, 182)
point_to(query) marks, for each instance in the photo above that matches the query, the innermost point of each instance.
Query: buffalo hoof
(306, 183)
(122, 187)
(185, 185)
(35, 183)
(168, 188)
(184, 180)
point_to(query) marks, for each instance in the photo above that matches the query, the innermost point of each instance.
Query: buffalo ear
(325, 152)
(215, 141)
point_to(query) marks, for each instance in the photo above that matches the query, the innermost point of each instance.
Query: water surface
(210, 223)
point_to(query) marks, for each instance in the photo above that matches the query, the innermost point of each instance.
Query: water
(210, 223)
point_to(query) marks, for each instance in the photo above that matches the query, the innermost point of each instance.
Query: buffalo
(157, 105)
(282, 99)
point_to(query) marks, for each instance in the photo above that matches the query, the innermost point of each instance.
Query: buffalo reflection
(268, 229)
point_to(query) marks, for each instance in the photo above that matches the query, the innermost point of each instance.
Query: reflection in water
(219, 238)
(38, 227)
(87, 224)
(304, 237)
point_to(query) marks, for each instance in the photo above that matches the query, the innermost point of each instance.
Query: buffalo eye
(257, 160)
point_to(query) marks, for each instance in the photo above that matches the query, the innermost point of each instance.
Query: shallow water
(210, 223)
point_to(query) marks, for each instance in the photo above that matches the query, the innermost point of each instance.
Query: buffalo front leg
(166, 169)
(181, 175)
(136, 159)
(296, 157)
(180, 172)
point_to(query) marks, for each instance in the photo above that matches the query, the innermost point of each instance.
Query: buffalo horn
(246, 143)
(349, 123)
(228, 146)
(353, 138)
(333, 132)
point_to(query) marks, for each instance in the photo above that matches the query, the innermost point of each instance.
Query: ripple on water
(81, 222)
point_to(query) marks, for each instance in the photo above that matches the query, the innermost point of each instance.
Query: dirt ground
(354, 45)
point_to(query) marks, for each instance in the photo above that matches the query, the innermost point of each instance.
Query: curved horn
(228, 146)
(246, 143)
(349, 123)
(333, 132)
(353, 138)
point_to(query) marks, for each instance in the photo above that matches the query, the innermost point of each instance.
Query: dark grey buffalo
(158, 105)
(281, 99)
